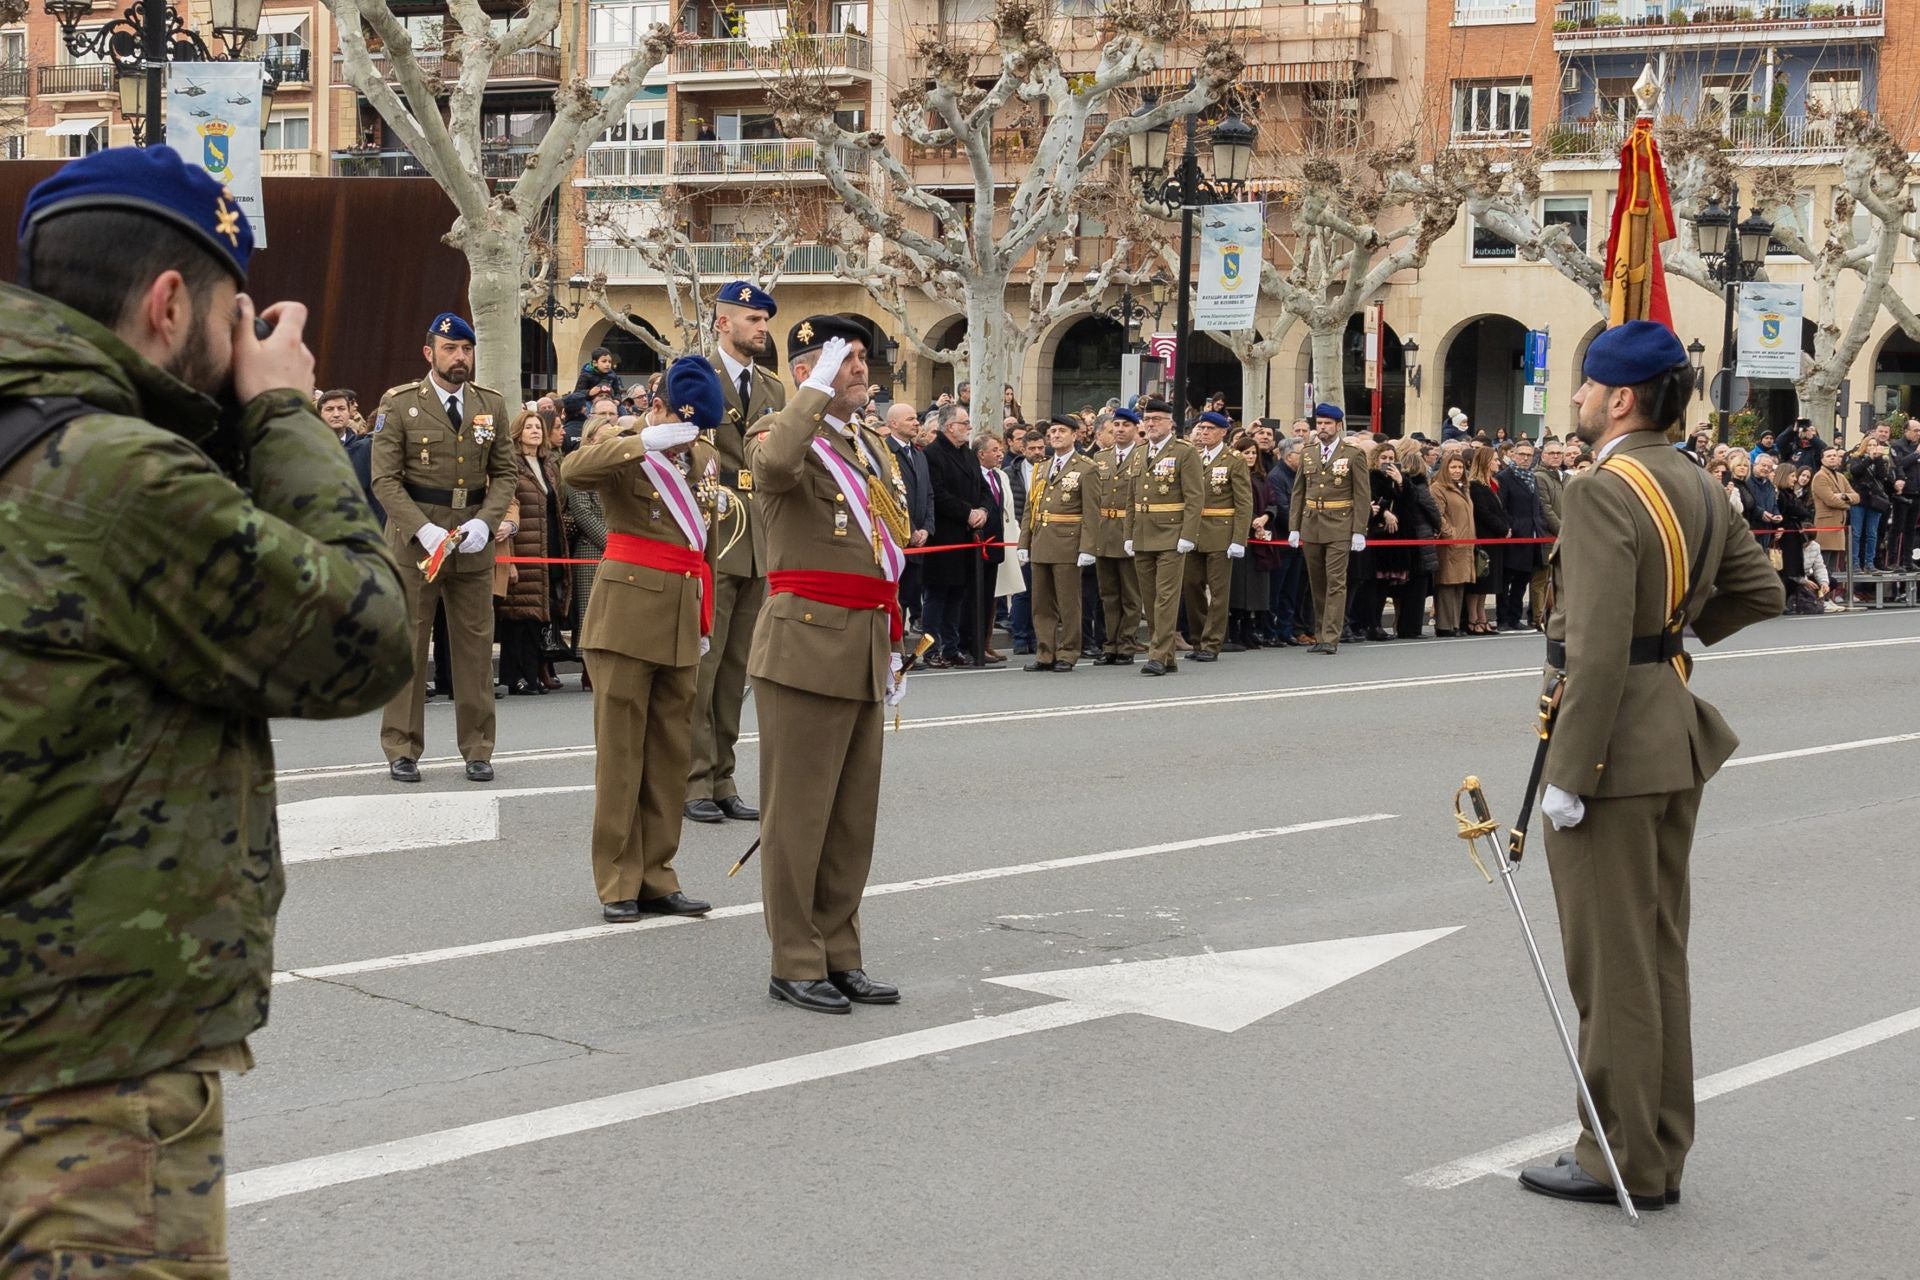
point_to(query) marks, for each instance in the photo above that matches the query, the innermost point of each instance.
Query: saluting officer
(443, 467)
(1226, 518)
(1647, 549)
(1167, 493)
(1116, 468)
(825, 662)
(1056, 541)
(1328, 518)
(738, 552)
(647, 624)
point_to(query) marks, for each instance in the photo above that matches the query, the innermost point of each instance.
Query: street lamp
(1696, 355)
(890, 357)
(1734, 250)
(551, 309)
(1185, 189)
(143, 40)
(1410, 360)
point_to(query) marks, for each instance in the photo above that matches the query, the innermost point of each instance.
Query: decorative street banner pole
(213, 120)
(1769, 326)
(1230, 258)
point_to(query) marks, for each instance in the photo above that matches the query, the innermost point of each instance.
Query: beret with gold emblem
(812, 333)
(739, 293)
(692, 392)
(153, 181)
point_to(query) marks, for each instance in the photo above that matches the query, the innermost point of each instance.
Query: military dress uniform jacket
(1226, 508)
(1168, 494)
(739, 546)
(1059, 524)
(1622, 729)
(1112, 510)
(1330, 495)
(803, 644)
(424, 472)
(636, 610)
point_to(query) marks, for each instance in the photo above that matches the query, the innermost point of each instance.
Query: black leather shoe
(1154, 667)
(704, 811)
(479, 771)
(1322, 647)
(1037, 665)
(737, 809)
(1203, 655)
(816, 995)
(674, 904)
(403, 770)
(1232, 646)
(1379, 633)
(626, 911)
(1063, 666)
(1121, 659)
(1571, 1182)
(856, 986)
(1567, 1157)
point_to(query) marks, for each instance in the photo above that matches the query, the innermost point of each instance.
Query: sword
(1483, 826)
(743, 857)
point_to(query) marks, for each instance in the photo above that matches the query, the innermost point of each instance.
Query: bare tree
(969, 255)
(494, 225)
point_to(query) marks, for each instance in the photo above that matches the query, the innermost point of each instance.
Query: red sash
(843, 590)
(630, 548)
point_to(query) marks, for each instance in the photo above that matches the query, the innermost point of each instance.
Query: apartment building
(1556, 79)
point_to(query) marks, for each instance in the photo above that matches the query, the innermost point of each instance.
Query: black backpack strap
(24, 423)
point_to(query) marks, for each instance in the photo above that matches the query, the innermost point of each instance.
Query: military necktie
(746, 389)
(453, 413)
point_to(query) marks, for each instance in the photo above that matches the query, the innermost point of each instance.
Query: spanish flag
(1642, 222)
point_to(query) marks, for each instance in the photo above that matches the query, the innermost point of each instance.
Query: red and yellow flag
(1642, 222)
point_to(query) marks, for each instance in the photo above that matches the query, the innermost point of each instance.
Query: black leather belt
(1642, 651)
(460, 499)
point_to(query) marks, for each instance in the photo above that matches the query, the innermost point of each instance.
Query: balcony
(738, 64)
(1589, 140)
(1492, 13)
(292, 164)
(1595, 25)
(13, 82)
(1304, 44)
(289, 66)
(711, 261)
(502, 164)
(88, 77)
(540, 65)
(715, 163)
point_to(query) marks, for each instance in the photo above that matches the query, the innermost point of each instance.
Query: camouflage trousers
(125, 1179)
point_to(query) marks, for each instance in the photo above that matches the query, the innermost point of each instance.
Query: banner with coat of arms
(1768, 316)
(1230, 258)
(213, 120)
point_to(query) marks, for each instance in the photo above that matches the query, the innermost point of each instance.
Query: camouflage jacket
(153, 614)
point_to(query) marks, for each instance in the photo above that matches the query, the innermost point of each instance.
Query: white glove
(1235, 551)
(896, 682)
(1359, 542)
(1022, 553)
(429, 537)
(474, 536)
(1127, 547)
(1183, 546)
(1293, 539)
(827, 365)
(668, 435)
(1563, 809)
(706, 643)
(1083, 561)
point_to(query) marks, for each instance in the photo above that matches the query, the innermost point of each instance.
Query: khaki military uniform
(819, 672)
(1331, 497)
(1113, 568)
(1226, 519)
(424, 471)
(1057, 531)
(1169, 491)
(641, 642)
(738, 553)
(1638, 746)
(1549, 485)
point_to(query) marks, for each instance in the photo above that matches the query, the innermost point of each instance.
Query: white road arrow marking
(1223, 992)
(354, 826)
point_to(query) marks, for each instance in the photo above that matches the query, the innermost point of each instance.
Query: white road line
(1500, 1159)
(317, 773)
(1801, 752)
(410, 959)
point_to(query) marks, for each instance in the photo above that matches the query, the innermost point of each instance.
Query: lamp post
(143, 40)
(1734, 250)
(890, 357)
(551, 309)
(1185, 189)
(1410, 362)
(1696, 355)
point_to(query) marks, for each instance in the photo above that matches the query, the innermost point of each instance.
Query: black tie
(746, 388)
(453, 413)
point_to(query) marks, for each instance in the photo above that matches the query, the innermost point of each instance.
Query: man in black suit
(902, 425)
(1021, 461)
(990, 455)
(959, 517)
(1526, 518)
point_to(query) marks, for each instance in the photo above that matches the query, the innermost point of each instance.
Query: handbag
(1775, 558)
(1482, 564)
(552, 647)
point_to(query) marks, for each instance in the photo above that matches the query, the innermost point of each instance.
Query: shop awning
(75, 126)
(282, 24)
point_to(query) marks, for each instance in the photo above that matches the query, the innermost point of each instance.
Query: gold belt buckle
(459, 498)
(744, 481)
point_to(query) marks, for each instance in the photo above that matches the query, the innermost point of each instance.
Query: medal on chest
(483, 429)
(1218, 476)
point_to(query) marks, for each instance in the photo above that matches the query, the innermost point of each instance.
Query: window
(286, 131)
(1225, 4)
(1493, 109)
(1570, 212)
(514, 128)
(13, 147)
(763, 26)
(1479, 13)
(13, 48)
(1802, 224)
(1726, 96)
(1862, 220)
(622, 26)
(74, 145)
(643, 124)
(849, 19)
(1487, 246)
(745, 126)
(1616, 100)
(853, 121)
(1830, 95)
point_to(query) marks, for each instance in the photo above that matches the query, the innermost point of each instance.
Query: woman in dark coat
(536, 594)
(1526, 518)
(1419, 514)
(1250, 588)
(1386, 567)
(959, 504)
(1489, 521)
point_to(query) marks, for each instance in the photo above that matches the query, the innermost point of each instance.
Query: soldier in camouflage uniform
(171, 576)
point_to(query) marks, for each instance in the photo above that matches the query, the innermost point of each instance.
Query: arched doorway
(1896, 376)
(1483, 376)
(939, 377)
(633, 359)
(1215, 369)
(1086, 364)
(539, 366)
(1393, 378)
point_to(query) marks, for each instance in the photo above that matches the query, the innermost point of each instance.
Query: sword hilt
(1481, 824)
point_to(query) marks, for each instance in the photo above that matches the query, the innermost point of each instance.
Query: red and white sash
(854, 489)
(680, 501)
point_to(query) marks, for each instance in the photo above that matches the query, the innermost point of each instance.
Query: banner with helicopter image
(1230, 258)
(213, 120)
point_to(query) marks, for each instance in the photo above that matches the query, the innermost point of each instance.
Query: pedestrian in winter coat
(537, 595)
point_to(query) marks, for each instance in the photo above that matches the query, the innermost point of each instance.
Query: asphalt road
(466, 1075)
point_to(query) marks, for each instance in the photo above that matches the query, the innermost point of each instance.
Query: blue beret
(1212, 419)
(153, 181)
(1127, 415)
(1333, 411)
(451, 327)
(692, 392)
(742, 294)
(1631, 353)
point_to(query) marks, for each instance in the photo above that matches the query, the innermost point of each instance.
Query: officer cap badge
(804, 333)
(746, 293)
(446, 324)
